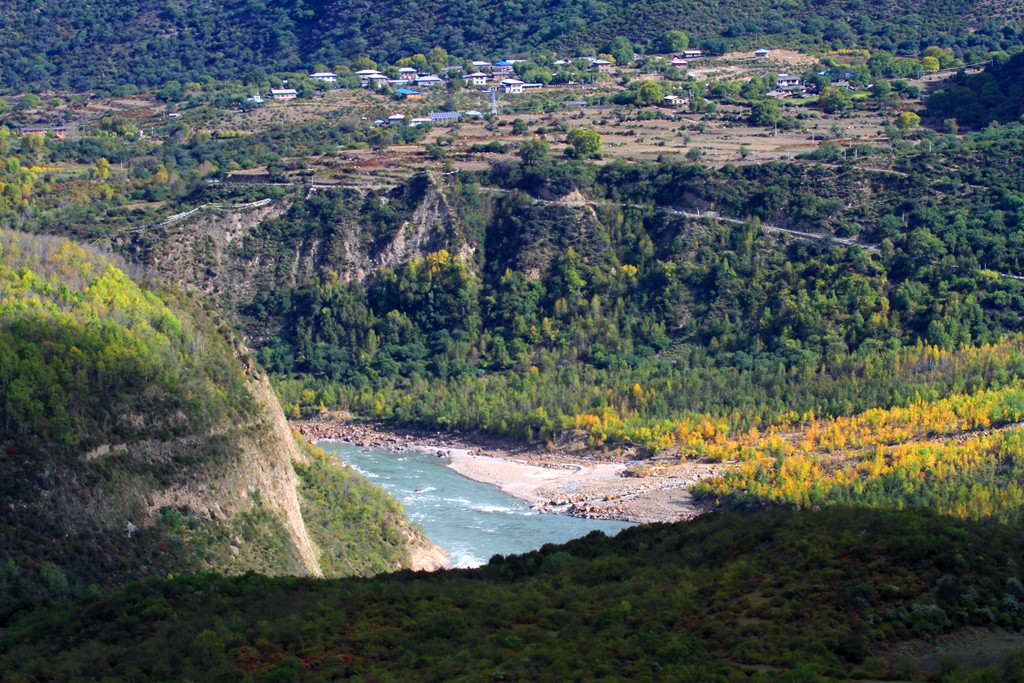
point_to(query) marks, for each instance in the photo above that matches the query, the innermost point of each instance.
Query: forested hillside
(997, 94)
(135, 443)
(66, 44)
(563, 308)
(777, 596)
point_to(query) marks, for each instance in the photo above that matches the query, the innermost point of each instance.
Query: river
(470, 520)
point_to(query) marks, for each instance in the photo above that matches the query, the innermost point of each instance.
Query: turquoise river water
(472, 521)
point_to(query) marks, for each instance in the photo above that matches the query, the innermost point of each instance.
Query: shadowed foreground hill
(774, 596)
(134, 442)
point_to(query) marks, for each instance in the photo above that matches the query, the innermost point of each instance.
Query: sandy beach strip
(533, 483)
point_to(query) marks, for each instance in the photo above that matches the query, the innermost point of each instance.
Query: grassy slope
(726, 597)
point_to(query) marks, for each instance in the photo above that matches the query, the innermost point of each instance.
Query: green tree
(29, 101)
(834, 100)
(364, 62)
(649, 92)
(34, 143)
(883, 92)
(584, 143)
(672, 41)
(621, 49)
(765, 112)
(944, 55)
(534, 151)
(930, 64)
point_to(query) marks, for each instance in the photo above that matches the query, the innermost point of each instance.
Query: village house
(428, 81)
(371, 77)
(409, 94)
(602, 66)
(476, 78)
(283, 94)
(396, 119)
(761, 53)
(407, 74)
(512, 86)
(504, 66)
(679, 62)
(419, 121)
(674, 101)
(481, 65)
(785, 81)
(59, 132)
(324, 76)
(693, 54)
(438, 117)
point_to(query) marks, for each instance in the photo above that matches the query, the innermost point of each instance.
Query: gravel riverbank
(578, 482)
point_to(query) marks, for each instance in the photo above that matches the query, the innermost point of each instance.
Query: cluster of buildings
(433, 118)
(410, 82)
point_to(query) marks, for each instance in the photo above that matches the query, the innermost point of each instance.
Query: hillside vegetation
(778, 596)
(70, 45)
(997, 94)
(134, 443)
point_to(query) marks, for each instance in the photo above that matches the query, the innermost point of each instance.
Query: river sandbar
(579, 483)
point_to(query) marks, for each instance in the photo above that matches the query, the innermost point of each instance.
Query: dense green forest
(562, 311)
(997, 94)
(777, 596)
(68, 45)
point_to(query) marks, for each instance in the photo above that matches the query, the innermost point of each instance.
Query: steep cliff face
(348, 233)
(137, 440)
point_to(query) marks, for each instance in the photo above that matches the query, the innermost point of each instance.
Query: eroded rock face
(350, 233)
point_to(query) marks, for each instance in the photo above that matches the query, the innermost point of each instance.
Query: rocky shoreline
(573, 481)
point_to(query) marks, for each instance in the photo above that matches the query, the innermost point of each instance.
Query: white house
(512, 86)
(785, 80)
(396, 119)
(407, 73)
(692, 54)
(476, 78)
(325, 76)
(428, 81)
(371, 77)
(761, 53)
(679, 62)
(419, 121)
